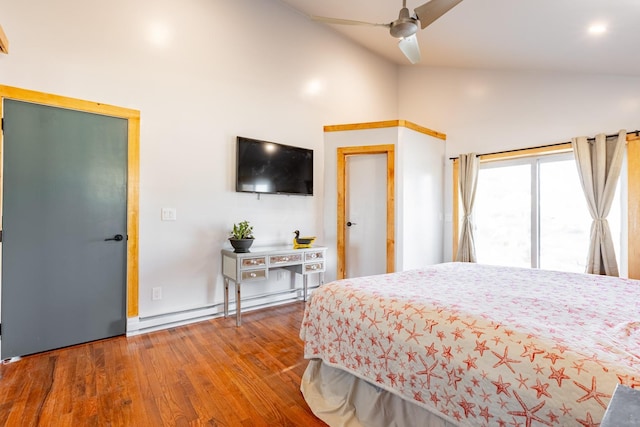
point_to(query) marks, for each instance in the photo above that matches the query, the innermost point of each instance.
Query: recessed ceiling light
(597, 29)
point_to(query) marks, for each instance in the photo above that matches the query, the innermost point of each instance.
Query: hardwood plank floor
(209, 373)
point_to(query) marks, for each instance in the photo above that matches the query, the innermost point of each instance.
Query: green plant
(242, 230)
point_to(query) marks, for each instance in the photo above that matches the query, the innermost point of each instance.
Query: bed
(460, 344)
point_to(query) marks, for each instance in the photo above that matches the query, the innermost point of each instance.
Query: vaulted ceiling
(551, 35)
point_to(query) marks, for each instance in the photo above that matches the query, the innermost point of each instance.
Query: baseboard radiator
(141, 325)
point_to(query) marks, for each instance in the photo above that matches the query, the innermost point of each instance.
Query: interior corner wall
(333, 141)
(486, 111)
(419, 200)
(199, 80)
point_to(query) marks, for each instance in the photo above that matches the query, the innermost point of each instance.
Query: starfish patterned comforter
(484, 345)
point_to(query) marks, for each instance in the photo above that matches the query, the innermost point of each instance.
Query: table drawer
(285, 259)
(314, 255)
(314, 267)
(254, 262)
(249, 275)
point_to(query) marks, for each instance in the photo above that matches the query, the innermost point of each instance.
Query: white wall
(486, 111)
(201, 72)
(420, 199)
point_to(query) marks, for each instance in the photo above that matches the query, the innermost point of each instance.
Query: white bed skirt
(344, 400)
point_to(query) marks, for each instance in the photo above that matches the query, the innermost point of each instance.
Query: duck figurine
(302, 242)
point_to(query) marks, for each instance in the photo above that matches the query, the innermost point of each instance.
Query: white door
(366, 215)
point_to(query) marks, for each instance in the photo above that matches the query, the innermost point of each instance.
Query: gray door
(64, 193)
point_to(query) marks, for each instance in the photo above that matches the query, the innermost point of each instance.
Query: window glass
(533, 213)
(502, 215)
(565, 222)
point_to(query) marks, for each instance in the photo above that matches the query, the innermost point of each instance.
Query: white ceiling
(547, 35)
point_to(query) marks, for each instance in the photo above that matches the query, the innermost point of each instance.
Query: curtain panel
(469, 166)
(599, 163)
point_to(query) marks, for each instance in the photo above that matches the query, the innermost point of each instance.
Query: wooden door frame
(133, 167)
(633, 205)
(343, 152)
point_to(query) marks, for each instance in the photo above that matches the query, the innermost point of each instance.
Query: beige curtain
(469, 165)
(599, 163)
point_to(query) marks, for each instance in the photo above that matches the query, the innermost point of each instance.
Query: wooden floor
(205, 374)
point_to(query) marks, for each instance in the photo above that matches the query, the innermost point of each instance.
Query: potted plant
(241, 237)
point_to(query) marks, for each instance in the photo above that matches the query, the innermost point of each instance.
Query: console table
(254, 266)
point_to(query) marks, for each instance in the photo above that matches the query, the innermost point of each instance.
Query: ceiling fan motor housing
(404, 26)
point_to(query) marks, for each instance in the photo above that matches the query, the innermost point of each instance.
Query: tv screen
(268, 167)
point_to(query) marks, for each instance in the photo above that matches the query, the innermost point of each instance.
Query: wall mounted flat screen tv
(268, 167)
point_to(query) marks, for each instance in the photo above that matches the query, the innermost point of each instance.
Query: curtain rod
(637, 132)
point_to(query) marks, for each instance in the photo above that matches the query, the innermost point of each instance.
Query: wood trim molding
(133, 173)
(455, 213)
(633, 204)
(133, 217)
(527, 152)
(343, 152)
(386, 124)
(4, 42)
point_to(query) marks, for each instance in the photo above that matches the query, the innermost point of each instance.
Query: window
(531, 212)
(502, 214)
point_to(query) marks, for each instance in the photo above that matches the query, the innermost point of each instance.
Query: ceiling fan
(406, 26)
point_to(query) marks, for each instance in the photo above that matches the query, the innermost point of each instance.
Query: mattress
(483, 345)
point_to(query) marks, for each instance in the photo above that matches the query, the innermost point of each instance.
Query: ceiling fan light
(409, 46)
(404, 28)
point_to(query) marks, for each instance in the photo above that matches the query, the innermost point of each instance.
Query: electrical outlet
(156, 293)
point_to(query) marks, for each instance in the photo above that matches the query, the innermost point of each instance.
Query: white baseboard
(141, 325)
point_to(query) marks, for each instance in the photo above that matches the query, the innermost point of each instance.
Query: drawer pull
(253, 275)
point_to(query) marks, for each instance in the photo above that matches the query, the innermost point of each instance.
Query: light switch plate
(168, 214)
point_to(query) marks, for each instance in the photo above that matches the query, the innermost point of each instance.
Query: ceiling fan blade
(432, 10)
(409, 46)
(345, 21)
(4, 42)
